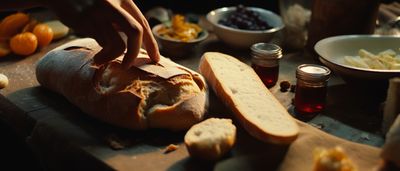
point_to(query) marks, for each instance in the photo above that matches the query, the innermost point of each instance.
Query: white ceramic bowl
(239, 38)
(176, 48)
(332, 50)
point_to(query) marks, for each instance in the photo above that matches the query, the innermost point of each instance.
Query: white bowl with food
(179, 38)
(242, 32)
(362, 57)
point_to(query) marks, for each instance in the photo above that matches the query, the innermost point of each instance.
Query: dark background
(198, 7)
(204, 6)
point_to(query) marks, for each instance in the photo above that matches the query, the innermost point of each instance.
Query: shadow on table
(64, 137)
(358, 107)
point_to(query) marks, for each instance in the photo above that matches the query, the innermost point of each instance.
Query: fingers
(132, 23)
(150, 44)
(133, 44)
(148, 39)
(100, 28)
(102, 20)
(132, 29)
(111, 42)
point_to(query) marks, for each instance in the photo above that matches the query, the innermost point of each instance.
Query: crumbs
(170, 148)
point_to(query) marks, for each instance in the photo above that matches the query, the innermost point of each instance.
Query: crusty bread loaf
(259, 112)
(210, 139)
(163, 95)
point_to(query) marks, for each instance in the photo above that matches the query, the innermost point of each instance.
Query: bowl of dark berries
(241, 26)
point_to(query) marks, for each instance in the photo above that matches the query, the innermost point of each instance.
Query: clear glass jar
(265, 61)
(311, 89)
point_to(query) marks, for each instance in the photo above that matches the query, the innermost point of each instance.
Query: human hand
(102, 20)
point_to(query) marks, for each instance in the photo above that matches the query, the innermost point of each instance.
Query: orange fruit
(24, 43)
(12, 25)
(29, 27)
(44, 34)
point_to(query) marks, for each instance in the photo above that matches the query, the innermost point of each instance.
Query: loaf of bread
(210, 139)
(259, 112)
(163, 95)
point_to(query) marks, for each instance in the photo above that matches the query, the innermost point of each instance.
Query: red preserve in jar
(265, 62)
(311, 89)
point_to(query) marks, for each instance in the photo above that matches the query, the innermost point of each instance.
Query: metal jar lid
(312, 72)
(266, 51)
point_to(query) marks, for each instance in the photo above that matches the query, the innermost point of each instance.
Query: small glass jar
(311, 89)
(265, 61)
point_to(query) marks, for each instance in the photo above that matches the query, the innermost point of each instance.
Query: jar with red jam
(311, 89)
(265, 61)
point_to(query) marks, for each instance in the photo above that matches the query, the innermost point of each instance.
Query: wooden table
(351, 114)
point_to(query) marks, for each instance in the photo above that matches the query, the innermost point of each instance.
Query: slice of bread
(210, 139)
(259, 112)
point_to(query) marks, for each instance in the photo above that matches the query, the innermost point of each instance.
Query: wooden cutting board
(64, 137)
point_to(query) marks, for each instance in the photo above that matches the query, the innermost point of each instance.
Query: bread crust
(253, 129)
(69, 71)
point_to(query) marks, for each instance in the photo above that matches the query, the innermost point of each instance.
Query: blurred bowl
(239, 38)
(332, 50)
(176, 48)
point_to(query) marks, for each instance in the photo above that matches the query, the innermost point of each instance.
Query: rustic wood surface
(65, 138)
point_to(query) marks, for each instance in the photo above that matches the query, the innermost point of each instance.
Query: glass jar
(265, 61)
(311, 89)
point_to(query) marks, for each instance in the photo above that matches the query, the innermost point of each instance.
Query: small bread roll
(3, 81)
(211, 139)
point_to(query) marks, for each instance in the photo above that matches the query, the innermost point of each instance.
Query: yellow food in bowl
(180, 30)
(386, 60)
